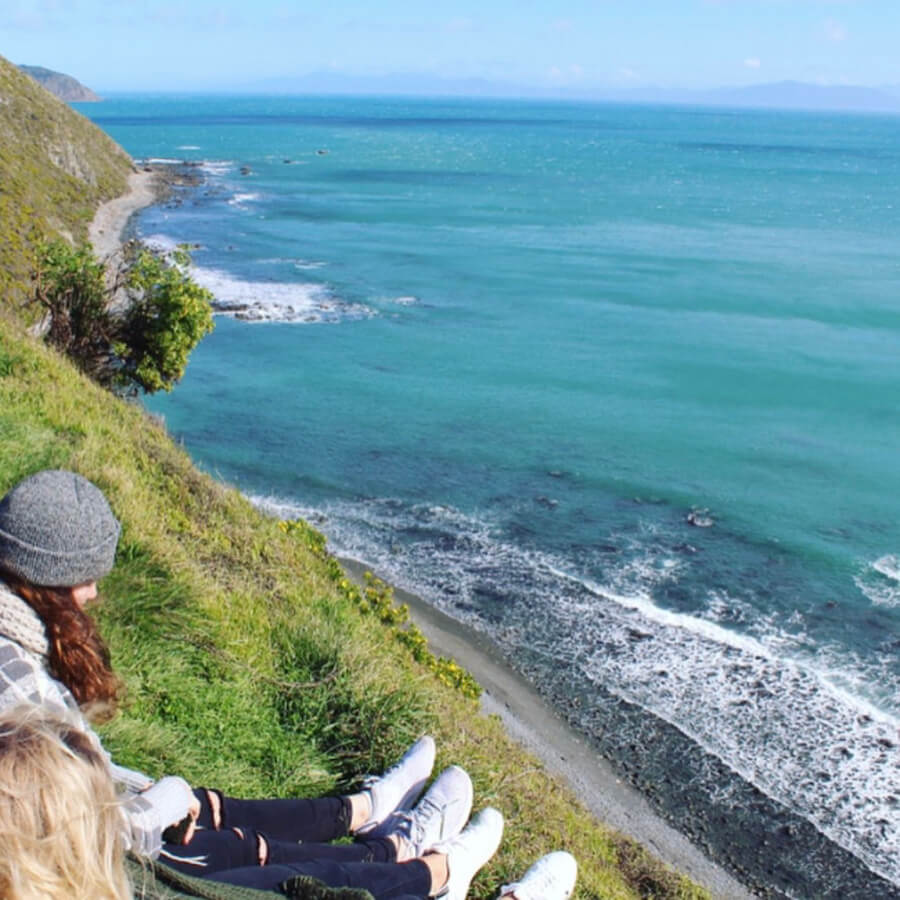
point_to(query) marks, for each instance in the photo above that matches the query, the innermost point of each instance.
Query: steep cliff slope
(55, 168)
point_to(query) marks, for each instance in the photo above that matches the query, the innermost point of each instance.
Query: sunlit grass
(251, 663)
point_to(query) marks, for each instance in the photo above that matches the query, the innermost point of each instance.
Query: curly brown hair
(78, 657)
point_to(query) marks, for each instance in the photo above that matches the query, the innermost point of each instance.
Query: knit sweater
(154, 881)
(25, 680)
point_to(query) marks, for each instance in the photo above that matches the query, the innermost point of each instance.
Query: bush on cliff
(135, 333)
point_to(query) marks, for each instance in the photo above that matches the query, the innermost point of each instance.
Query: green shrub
(134, 332)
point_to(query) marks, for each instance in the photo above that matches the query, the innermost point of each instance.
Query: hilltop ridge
(67, 88)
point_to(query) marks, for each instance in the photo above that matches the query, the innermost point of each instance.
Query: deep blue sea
(618, 386)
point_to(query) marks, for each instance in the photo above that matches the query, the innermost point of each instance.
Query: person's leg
(213, 851)
(325, 818)
(385, 881)
(289, 819)
(439, 816)
(448, 872)
(232, 848)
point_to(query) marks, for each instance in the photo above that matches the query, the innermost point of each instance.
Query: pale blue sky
(204, 44)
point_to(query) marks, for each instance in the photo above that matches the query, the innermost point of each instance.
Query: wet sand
(532, 722)
(107, 230)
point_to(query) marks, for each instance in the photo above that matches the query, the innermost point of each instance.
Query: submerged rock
(700, 518)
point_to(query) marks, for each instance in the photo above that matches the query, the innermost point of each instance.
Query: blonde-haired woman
(60, 819)
(62, 838)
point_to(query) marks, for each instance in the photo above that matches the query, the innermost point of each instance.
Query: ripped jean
(295, 830)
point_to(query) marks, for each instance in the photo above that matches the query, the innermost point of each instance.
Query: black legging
(295, 830)
(384, 881)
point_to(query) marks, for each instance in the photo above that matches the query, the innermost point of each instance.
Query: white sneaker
(399, 787)
(552, 877)
(439, 815)
(467, 853)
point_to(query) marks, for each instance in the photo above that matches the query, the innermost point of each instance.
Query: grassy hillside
(56, 167)
(251, 663)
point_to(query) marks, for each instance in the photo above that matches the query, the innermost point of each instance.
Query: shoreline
(526, 716)
(534, 723)
(147, 186)
(530, 720)
(107, 230)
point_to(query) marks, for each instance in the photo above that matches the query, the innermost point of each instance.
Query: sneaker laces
(411, 825)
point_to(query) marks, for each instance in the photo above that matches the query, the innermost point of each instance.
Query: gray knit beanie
(56, 529)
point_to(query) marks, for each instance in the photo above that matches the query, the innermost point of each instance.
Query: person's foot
(438, 816)
(552, 877)
(399, 787)
(468, 852)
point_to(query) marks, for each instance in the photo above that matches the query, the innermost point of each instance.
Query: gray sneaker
(467, 853)
(552, 877)
(399, 787)
(438, 816)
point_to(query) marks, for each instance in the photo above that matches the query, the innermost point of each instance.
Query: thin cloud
(460, 24)
(834, 31)
(566, 74)
(34, 15)
(752, 62)
(626, 75)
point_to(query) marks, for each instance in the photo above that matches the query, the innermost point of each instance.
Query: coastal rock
(700, 518)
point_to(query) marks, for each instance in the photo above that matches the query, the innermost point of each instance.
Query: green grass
(251, 663)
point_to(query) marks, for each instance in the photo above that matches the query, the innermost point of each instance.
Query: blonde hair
(61, 826)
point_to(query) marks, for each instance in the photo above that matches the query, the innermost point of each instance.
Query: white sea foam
(241, 199)
(163, 161)
(269, 301)
(786, 719)
(161, 243)
(303, 265)
(187, 147)
(217, 167)
(889, 566)
(880, 581)
(405, 301)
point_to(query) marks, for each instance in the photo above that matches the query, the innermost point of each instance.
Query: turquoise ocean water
(619, 386)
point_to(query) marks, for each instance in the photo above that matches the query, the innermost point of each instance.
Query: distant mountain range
(790, 95)
(780, 95)
(63, 86)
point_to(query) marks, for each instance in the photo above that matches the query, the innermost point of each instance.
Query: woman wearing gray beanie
(58, 537)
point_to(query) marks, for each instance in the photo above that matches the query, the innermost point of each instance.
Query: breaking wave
(788, 724)
(265, 301)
